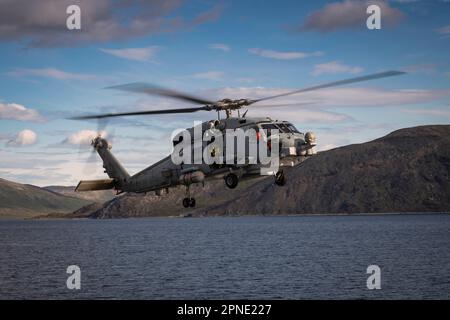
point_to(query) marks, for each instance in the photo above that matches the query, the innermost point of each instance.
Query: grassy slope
(22, 200)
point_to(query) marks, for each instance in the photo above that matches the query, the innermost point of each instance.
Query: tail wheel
(188, 202)
(231, 180)
(280, 179)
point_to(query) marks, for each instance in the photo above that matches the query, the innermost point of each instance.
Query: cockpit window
(292, 128)
(284, 128)
(269, 127)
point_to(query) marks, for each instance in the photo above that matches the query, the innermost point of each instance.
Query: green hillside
(22, 200)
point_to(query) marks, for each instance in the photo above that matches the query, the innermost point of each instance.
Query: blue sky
(236, 49)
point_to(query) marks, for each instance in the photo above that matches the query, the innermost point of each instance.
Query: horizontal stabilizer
(91, 185)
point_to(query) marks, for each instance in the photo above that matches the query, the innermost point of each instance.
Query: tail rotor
(96, 142)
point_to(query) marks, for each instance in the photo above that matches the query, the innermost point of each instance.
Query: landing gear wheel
(231, 180)
(188, 202)
(280, 179)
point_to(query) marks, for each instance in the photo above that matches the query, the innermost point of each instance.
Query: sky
(227, 49)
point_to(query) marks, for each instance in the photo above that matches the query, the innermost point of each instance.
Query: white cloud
(220, 46)
(444, 30)
(83, 137)
(426, 68)
(373, 97)
(246, 80)
(406, 1)
(42, 169)
(14, 111)
(429, 112)
(23, 138)
(137, 54)
(326, 147)
(334, 67)
(51, 73)
(283, 55)
(209, 75)
(302, 114)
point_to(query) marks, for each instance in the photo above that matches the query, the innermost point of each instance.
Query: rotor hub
(230, 104)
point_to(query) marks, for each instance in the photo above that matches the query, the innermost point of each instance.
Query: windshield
(269, 127)
(284, 128)
(292, 128)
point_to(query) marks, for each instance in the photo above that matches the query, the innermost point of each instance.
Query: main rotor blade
(158, 91)
(167, 111)
(298, 104)
(337, 83)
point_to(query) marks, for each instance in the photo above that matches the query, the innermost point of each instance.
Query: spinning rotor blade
(158, 91)
(91, 163)
(167, 111)
(285, 105)
(336, 83)
(93, 159)
(225, 104)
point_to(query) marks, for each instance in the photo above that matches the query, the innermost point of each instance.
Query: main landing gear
(231, 180)
(188, 201)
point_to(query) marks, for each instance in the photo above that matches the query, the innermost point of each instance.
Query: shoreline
(231, 216)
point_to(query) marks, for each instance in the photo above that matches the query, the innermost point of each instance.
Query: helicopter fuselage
(294, 147)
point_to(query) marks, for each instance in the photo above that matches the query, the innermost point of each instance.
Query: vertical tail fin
(112, 166)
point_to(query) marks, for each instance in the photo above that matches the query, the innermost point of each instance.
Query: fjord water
(300, 257)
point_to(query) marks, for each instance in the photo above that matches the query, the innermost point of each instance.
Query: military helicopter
(293, 146)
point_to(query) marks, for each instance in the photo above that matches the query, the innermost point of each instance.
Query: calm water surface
(301, 257)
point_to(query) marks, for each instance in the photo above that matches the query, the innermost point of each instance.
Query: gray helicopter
(280, 138)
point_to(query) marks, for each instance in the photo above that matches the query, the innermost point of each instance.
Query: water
(301, 257)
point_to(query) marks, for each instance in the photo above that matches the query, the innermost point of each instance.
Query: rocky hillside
(23, 200)
(148, 205)
(405, 171)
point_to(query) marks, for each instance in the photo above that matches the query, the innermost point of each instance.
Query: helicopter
(280, 139)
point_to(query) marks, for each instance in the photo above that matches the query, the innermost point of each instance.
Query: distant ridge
(92, 196)
(408, 170)
(24, 200)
